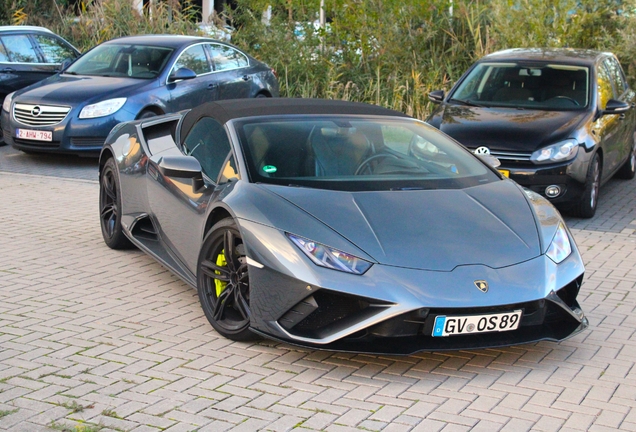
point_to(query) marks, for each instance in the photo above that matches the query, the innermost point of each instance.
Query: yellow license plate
(506, 173)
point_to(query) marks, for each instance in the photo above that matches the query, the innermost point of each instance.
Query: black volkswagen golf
(561, 121)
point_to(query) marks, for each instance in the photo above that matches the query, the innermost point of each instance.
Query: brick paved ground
(91, 337)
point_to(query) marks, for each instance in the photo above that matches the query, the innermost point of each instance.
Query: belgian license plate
(470, 324)
(35, 135)
(506, 173)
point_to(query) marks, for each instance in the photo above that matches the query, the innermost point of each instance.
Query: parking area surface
(92, 338)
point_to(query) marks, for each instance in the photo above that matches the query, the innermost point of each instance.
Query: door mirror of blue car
(616, 107)
(182, 74)
(65, 64)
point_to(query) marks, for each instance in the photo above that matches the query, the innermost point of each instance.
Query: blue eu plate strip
(438, 329)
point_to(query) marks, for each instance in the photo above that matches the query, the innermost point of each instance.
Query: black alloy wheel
(110, 207)
(587, 207)
(223, 282)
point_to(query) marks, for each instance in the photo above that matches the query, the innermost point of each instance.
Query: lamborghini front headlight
(328, 257)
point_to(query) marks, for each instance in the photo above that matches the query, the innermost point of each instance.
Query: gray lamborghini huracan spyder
(340, 226)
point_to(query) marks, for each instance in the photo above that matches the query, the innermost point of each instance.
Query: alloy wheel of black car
(587, 207)
(110, 208)
(628, 170)
(223, 282)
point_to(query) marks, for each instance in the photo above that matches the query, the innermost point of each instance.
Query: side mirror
(182, 74)
(436, 96)
(187, 167)
(65, 64)
(489, 160)
(615, 107)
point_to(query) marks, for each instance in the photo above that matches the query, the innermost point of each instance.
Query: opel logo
(482, 150)
(481, 285)
(36, 111)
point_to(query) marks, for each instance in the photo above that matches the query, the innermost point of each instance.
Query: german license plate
(35, 135)
(506, 173)
(470, 324)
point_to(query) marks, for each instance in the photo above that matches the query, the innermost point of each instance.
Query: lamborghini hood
(491, 224)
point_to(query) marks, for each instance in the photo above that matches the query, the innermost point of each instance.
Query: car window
(20, 49)
(194, 58)
(4, 57)
(604, 86)
(54, 50)
(135, 61)
(225, 57)
(209, 144)
(229, 171)
(616, 74)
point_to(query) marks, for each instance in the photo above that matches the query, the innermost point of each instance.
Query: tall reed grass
(387, 52)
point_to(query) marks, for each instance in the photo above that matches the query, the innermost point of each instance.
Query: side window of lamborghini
(209, 144)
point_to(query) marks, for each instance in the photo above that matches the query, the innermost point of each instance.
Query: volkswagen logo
(482, 150)
(481, 285)
(36, 111)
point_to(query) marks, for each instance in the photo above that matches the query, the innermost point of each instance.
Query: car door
(187, 94)
(607, 127)
(20, 63)
(627, 121)
(231, 71)
(179, 207)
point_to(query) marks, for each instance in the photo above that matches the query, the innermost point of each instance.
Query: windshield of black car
(542, 86)
(112, 60)
(356, 153)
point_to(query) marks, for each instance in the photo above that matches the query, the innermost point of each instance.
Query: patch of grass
(84, 427)
(75, 407)
(110, 413)
(4, 413)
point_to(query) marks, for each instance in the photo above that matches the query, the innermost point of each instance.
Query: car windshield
(542, 86)
(134, 61)
(355, 153)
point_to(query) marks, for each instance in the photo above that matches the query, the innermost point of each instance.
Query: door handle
(212, 86)
(7, 69)
(246, 77)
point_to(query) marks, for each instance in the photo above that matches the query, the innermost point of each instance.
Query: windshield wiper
(467, 103)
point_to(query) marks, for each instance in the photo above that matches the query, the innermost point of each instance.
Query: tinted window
(54, 50)
(616, 74)
(544, 86)
(604, 86)
(356, 154)
(20, 49)
(194, 58)
(208, 143)
(225, 57)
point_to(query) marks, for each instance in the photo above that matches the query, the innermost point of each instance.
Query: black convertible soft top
(226, 110)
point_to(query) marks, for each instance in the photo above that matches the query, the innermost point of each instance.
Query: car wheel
(261, 95)
(110, 208)
(223, 282)
(146, 114)
(587, 207)
(628, 170)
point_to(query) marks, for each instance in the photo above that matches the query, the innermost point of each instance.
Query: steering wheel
(366, 164)
(574, 101)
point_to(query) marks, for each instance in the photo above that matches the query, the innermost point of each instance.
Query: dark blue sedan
(126, 79)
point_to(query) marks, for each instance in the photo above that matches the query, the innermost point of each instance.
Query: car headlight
(102, 108)
(325, 256)
(6, 105)
(559, 152)
(560, 248)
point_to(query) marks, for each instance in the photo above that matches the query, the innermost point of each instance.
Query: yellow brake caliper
(221, 262)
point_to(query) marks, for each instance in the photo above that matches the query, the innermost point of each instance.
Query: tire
(586, 208)
(146, 114)
(628, 169)
(223, 282)
(110, 208)
(261, 95)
